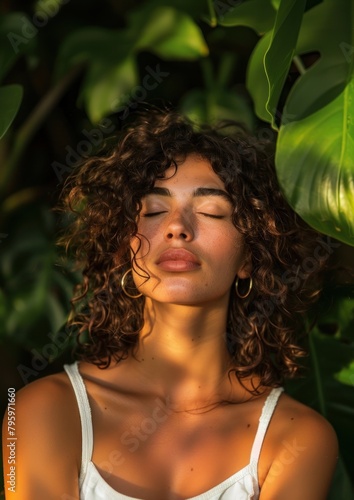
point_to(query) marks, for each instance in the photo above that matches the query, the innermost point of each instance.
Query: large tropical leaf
(315, 147)
(270, 62)
(327, 30)
(256, 14)
(256, 78)
(314, 161)
(280, 53)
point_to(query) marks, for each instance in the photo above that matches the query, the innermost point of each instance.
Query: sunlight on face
(189, 247)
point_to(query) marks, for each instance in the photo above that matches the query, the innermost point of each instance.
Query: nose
(179, 226)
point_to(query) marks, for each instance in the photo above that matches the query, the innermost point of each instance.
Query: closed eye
(152, 214)
(212, 215)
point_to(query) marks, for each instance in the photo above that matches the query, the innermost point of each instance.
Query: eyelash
(152, 214)
(212, 216)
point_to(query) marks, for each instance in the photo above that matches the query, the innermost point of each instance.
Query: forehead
(193, 172)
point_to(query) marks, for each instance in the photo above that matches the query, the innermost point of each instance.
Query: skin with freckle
(191, 292)
(214, 242)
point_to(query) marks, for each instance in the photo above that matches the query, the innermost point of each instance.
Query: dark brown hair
(103, 196)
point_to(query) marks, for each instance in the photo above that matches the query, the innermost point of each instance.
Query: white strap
(85, 416)
(265, 418)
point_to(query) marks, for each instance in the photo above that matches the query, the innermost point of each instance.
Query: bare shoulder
(304, 421)
(46, 390)
(48, 402)
(305, 454)
(48, 439)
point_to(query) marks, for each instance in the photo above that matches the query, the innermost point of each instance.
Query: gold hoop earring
(122, 284)
(248, 291)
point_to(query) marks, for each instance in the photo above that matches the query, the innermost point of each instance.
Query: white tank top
(243, 485)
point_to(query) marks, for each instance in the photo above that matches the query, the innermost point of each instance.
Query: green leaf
(203, 106)
(91, 45)
(321, 390)
(258, 15)
(111, 79)
(196, 8)
(37, 290)
(18, 35)
(314, 162)
(10, 101)
(56, 312)
(107, 87)
(339, 316)
(256, 78)
(346, 375)
(111, 68)
(276, 4)
(271, 59)
(280, 53)
(170, 34)
(317, 171)
(327, 30)
(341, 488)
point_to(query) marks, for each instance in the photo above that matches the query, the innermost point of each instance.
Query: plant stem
(316, 367)
(207, 70)
(32, 124)
(213, 18)
(209, 82)
(226, 67)
(299, 64)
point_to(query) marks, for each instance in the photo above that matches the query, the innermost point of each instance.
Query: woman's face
(190, 248)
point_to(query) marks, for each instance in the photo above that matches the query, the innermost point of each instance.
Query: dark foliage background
(73, 73)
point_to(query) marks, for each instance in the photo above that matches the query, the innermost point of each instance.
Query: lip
(177, 260)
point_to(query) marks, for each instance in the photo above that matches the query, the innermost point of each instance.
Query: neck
(182, 350)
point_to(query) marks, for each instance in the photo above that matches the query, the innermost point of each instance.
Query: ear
(245, 269)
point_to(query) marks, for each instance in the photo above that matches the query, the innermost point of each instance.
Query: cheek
(229, 250)
(150, 229)
(139, 246)
(145, 229)
(142, 243)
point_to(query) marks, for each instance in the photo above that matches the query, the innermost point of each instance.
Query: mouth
(178, 260)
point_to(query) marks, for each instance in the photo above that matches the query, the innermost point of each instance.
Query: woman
(186, 314)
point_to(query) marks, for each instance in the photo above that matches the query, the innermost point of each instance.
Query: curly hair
(103, 196)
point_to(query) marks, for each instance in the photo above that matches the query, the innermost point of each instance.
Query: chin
(186, 299)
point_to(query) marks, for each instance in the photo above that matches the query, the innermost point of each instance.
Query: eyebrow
(199, 192)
